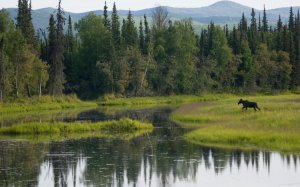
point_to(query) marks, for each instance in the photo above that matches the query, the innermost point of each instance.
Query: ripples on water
(162, 158)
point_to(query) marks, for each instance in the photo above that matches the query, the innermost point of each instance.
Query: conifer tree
(56, 76)
(106, 19)
(115, 27)
(129, 31)
(24, 22)
(147, 35)
(291, 20)
(265, 21)
(253, 32)
(141, 37)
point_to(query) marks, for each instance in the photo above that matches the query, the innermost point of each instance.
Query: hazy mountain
(220, 13)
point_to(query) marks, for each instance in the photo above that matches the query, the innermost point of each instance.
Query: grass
(41, 138)
(44, 103)
(164, 100)
(223, 124)
(124, 125)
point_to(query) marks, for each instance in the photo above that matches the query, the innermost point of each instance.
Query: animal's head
(240, 101)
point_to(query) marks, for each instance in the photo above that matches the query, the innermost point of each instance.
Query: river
(162, 158)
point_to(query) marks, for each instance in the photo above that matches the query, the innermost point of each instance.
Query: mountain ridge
(220, 13)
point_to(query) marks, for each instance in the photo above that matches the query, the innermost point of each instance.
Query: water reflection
(162, 158)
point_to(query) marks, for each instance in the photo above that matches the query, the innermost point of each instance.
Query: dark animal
(248, 104)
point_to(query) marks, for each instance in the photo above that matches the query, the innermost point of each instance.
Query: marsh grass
(121, 126)
(167, 100)
(44, 103)
(41, 138)
(222, 123)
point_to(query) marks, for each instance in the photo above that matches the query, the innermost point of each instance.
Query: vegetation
(111, 100)
(124, 126)
(112, 56)
(222, 123)
(43, 103)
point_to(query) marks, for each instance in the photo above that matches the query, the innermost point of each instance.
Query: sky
(88, 5)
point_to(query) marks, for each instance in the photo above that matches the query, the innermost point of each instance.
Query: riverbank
(163, 100)
(44, 103)
(222, 123)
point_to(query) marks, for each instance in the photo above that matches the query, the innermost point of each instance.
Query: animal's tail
(257, 107)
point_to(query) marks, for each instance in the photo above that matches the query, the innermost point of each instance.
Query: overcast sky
(87, 5)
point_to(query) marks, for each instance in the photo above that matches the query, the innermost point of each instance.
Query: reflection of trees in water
(112, 163)
(163, 155)
(19, 163)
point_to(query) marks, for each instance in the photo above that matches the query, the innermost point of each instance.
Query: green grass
(41, 138)
(124, 125)
(223, 124)
(44, 103)
(164, 100)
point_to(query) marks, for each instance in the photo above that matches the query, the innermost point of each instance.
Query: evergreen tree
(265, 26)
(259, 23)
(106, 19)
(279, 33)
(253, 32)
(24, 22)
(291, 20)
(56, 55)
(147, 35)
(115, 28)
(141, 37)
(70, 50)
(129, 31)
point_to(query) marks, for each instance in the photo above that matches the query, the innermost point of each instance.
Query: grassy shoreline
(163, 100)
(223, 124)
(125, 125)
(45, 103)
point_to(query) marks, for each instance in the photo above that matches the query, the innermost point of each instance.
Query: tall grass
(223, 123)
(164, 100)
(44, 103)
(124, 125)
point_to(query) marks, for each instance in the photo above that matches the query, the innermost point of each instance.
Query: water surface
(161, 158)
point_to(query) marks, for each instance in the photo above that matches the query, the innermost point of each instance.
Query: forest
(103, 55)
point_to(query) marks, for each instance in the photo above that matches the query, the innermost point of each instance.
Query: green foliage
(222, 123)
(162, 57)
(43, 103)
(125, 125)
(110, 100)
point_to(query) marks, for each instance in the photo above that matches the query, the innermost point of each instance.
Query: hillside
(223, 12)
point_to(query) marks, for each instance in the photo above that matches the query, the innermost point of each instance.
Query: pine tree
(141, 37)
(253, 32)
(129, 33)
(57, 79)
(69, 36)
(259, 23)
(147, 35)
(24, 22)
(279, 24)
(265, 26)
(106, 19)
(291, 20)
(115, 28)
(279, 33)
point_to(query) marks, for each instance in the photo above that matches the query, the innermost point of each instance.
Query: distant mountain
(220, 13)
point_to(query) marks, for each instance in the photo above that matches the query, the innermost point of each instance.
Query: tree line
(109, 55)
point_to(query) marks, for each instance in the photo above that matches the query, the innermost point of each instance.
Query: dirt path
(192, 108)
